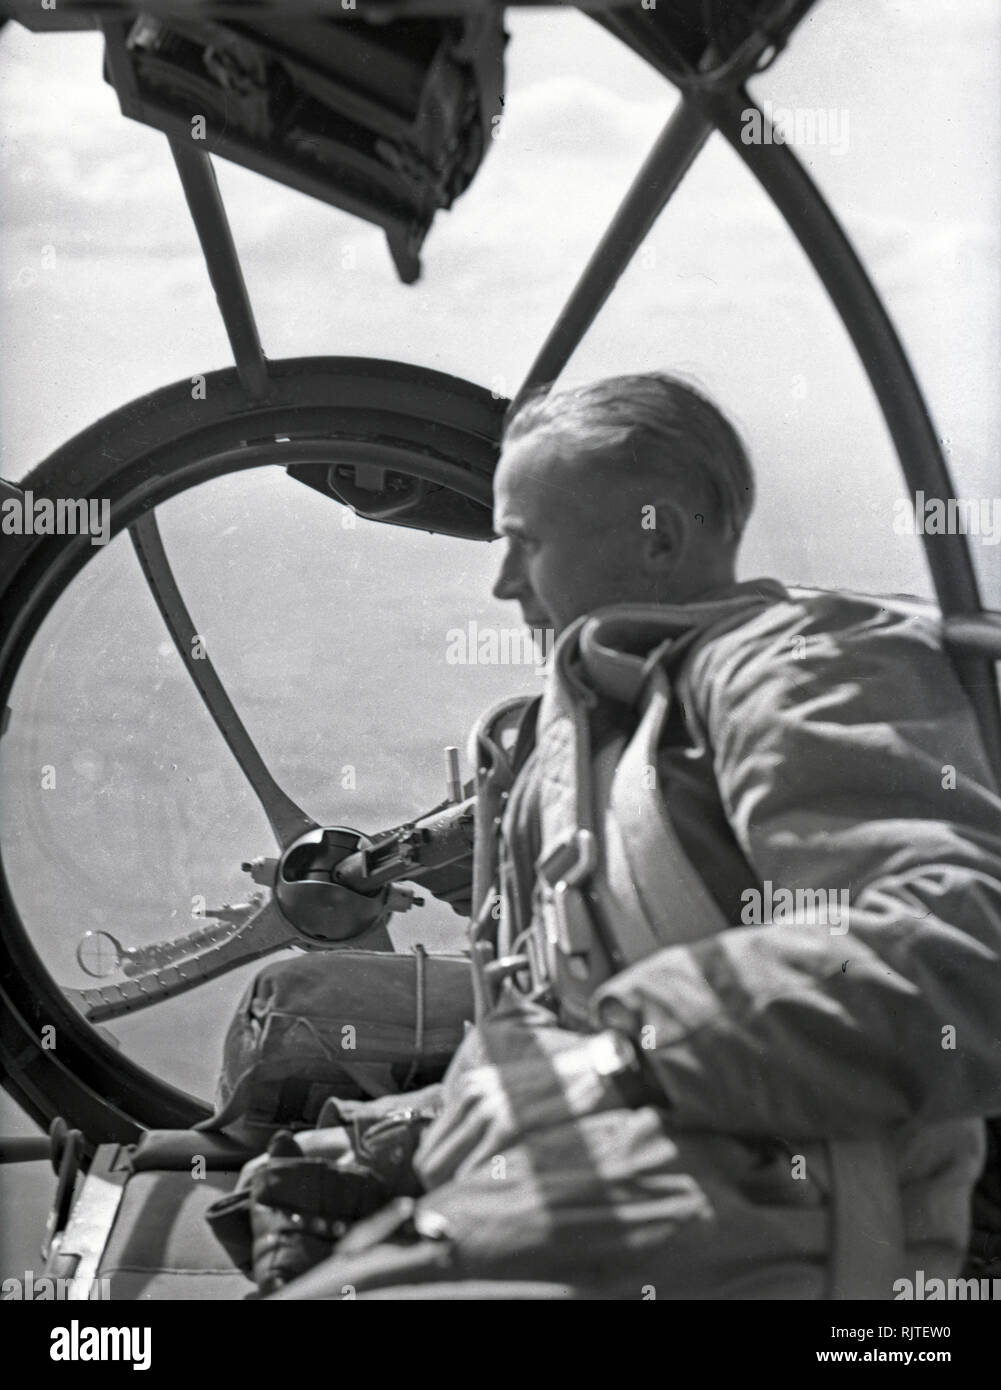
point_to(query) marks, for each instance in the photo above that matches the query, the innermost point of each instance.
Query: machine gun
(331, 887)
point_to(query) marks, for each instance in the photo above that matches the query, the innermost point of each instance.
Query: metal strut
(895, 385)
(684, 135)
(287, 820)
(201, 189)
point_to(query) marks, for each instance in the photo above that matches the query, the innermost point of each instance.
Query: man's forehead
(523, 475)
(549, 468)
(539, 451)
(550, 459)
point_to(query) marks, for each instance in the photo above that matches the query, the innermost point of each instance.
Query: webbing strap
(615, 887)
(867, 1240)
(646, 867)
(648, 892)
(569, 849)
(420, 1014)
(493, 759)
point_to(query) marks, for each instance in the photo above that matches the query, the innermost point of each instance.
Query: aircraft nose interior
(386, 110)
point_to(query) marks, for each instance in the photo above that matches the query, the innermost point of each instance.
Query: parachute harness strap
(420, 1020)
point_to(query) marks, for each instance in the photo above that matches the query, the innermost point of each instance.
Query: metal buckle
(506, 968)
(571, 861)
(574, 932)
(563, 870)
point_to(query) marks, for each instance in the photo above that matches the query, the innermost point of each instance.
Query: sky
(720, 292)
(104, 296)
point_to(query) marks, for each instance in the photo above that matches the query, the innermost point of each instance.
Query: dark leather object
(293, 1213)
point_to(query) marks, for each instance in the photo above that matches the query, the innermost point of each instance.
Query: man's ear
(664, 529)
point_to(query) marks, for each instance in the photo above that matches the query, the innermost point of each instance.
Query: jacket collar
(619, 644)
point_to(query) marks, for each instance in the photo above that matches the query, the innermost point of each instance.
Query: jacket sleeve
(847, 759)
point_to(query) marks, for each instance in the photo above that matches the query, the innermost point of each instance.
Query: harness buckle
(570, 925)
(564, 869)
(570, 861)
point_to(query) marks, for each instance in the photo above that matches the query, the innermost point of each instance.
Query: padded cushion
(161, 1246)
(174, 1149)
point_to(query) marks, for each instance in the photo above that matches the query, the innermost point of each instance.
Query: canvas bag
(351, 1024)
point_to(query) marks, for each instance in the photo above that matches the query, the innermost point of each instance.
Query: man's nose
(510, 581)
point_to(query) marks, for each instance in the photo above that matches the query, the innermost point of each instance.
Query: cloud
(720, 289)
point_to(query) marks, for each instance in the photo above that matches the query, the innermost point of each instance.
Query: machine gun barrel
(441, 837)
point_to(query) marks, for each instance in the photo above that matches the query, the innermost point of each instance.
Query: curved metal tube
(287, 820)
(821, 236)
(686, 131)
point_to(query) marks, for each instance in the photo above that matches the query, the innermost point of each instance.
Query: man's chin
(537, 623)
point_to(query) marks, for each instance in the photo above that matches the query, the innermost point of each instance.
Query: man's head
(635, 489)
